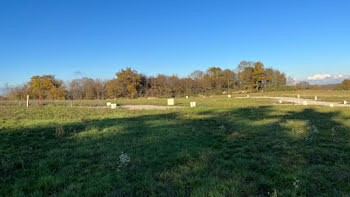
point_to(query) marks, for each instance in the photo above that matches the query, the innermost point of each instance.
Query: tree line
(131, 84)
(345, 85)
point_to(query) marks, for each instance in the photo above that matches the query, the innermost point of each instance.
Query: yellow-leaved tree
(47, 86)
(128, 82)
(258, 75)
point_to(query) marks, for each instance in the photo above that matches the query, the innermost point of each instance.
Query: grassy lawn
(224, 147)
(322, 95)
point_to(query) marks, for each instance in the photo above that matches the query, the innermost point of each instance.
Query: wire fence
(89, 103)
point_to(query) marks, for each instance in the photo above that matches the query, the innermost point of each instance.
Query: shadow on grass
(254, 151)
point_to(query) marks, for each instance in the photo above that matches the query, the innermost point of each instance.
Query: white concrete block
(247, 96)
(331, 105)
(113, 106)
(280, 101)
(171, 101)
(315, 98)
(187, 97)
(345, 102)
(304, 102)
(108, 104)
(192, 104)
(229, 96)
(298, 96)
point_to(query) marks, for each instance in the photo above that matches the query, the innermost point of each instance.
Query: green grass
(230, 147)
(322, 95)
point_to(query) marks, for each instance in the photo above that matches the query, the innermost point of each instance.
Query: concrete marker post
(27, 100)
(171, 101)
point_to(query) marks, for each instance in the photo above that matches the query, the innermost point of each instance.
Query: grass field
(323, 95)
(223, 147)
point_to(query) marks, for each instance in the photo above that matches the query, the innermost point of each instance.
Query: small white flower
(296, 184)
(124, 159)
(222, 127)
(314, 129)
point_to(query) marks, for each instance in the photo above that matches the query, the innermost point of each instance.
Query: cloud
(340, 77)
(326, 79)
(78, 73)
(319, 77)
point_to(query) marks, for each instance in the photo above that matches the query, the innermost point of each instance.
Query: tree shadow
(250, 151)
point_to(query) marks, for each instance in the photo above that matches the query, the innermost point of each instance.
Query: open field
(301, 101)
(223, 147)
(323, 95)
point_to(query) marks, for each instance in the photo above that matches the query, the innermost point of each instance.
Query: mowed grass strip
(223, 147)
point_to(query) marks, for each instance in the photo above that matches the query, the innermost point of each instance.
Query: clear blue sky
(98, 38)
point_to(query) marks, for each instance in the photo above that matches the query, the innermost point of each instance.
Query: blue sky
(97, 38)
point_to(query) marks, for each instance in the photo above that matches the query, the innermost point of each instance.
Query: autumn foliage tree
(129, 83)
(258, 76)
(47, 86)
(275, 78)
(214, 74)
(345, 85)
(113, 89)
(245, 77)
(229, 79)
(253, 75)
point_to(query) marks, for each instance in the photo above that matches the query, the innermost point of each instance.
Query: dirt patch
(149, 107)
